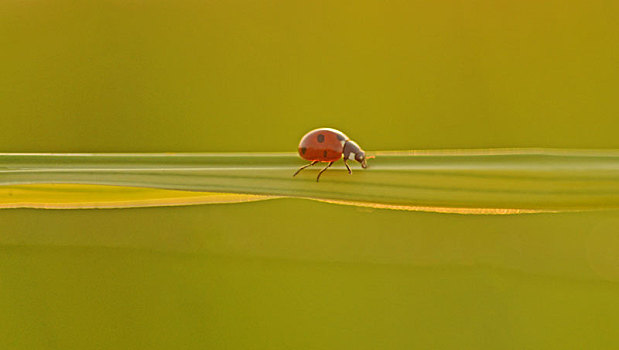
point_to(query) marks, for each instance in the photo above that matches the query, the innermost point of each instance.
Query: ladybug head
(352, 150)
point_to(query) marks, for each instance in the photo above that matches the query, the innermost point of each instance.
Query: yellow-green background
(171, 76)
(105, 75)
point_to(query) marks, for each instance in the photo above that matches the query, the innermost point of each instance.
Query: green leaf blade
(490, 181)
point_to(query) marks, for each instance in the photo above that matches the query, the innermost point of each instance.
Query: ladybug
(329, 145)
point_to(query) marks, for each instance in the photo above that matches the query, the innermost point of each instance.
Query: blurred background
(227, 76)
(198, 76)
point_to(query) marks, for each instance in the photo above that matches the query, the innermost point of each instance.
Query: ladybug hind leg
(303, 167)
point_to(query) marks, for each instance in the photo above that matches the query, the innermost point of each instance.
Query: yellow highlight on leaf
(83, 196)
(86, 196)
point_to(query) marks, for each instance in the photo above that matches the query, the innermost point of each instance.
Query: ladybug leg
(347, 167)
(323, 170)
(303, 167)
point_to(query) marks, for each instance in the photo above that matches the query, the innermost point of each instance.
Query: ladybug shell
(323, 145)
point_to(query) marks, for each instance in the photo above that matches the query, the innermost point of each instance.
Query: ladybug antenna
(364, 164)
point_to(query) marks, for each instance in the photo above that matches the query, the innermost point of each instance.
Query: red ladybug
(328, 145)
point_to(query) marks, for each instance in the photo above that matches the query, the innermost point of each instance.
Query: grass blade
(460, 181)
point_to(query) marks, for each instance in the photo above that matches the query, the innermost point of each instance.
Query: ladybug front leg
(323, 170)
(347, 167)
(305, 166)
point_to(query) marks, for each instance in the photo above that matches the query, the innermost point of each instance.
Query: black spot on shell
(324, 154)
(303, 149)
(340, 137)
(321, 138)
